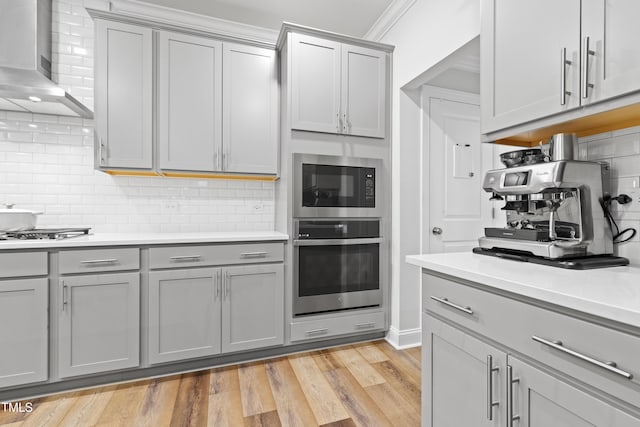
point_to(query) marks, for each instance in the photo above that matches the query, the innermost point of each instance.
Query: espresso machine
(554, 212)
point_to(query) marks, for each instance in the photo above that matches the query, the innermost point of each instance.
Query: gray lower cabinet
(539, 399)
(541, 368)
(458, 374)
(99, 323)
(253, 307)
(23, 316)
(202, 312)
(184, 314)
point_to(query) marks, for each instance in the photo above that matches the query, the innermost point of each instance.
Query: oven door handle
(337, 242)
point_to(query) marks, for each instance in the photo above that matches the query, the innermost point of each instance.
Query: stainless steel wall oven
(336, 265)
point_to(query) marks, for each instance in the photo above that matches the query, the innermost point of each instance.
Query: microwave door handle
(337, 242)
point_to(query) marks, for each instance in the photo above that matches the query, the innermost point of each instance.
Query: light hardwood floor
(366, 384)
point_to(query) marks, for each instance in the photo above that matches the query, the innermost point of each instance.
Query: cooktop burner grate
(46, 233)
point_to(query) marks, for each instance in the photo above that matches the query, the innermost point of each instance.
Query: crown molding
(388, 19)
(194, 21)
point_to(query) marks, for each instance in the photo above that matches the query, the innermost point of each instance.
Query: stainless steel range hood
(25, 62)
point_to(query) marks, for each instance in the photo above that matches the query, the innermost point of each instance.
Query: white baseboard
(404, 339)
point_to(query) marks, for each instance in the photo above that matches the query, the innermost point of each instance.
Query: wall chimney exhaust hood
(25, 62)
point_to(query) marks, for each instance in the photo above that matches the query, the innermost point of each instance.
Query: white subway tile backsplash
(625, 166)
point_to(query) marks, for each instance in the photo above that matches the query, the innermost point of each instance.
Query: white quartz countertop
(125, 239)
(611, 293)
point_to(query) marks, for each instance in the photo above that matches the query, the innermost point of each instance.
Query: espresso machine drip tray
(573, 263)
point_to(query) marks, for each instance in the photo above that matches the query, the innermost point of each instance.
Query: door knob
(436, 231)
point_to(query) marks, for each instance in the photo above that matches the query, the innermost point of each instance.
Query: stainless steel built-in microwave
(332, 186)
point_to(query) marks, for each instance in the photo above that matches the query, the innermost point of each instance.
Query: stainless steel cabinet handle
(315, 332)
(184, 257)
(225, 159)
(216, 284)
(510, 382)
(445, 301)
(103, 149)
(609, 366)
(586, 52)
(339, 124)
(100, 261)
(368, 325)
(490, 402)
(253, 254)
(563, 76)
(344, 123)
(64, 296)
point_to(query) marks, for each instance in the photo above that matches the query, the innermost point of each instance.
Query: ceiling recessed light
(33, 125)
(34, 99)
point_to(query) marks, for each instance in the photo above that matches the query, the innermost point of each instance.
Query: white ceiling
(352, 17)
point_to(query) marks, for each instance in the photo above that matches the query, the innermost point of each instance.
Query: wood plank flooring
(366, 384)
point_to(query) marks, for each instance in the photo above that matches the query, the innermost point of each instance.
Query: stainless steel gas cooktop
(45, 233)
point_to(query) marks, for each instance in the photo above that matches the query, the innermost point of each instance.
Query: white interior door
(455, 208)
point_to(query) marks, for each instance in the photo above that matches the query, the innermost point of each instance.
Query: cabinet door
(455, 378)
(253, 307)
(363, 91)
(540, 399)
(250, 111)
(123, 95)
(315, 84)
(613, 32)
(23, 316)
(522, 67)
(189, 102)
(184, 314)
(99, 323)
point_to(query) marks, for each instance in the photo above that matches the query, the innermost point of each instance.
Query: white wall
(427, 33)
(46, 162)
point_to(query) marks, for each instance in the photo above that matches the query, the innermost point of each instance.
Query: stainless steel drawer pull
(316, 332)
(368, 325)
(445, 301)
(253, 254)
(100, 261)
(609, 366)
(185, 257)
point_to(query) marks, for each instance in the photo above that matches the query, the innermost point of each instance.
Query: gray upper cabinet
(123, 96)
(184, 314)
(523, 67)
(315, 84)
(252, 307)
(363, 91)
(250, 110)
(189, 102)
(99, 321)
(611, 28)
(337, 87)
(586, 53)
(23, 314)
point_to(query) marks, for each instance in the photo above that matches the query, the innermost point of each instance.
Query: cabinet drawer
(219, 254)
(95, 260)
(515, 324)
(23, 264)
(324, 328)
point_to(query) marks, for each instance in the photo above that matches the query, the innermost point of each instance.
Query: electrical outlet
(170, 207)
